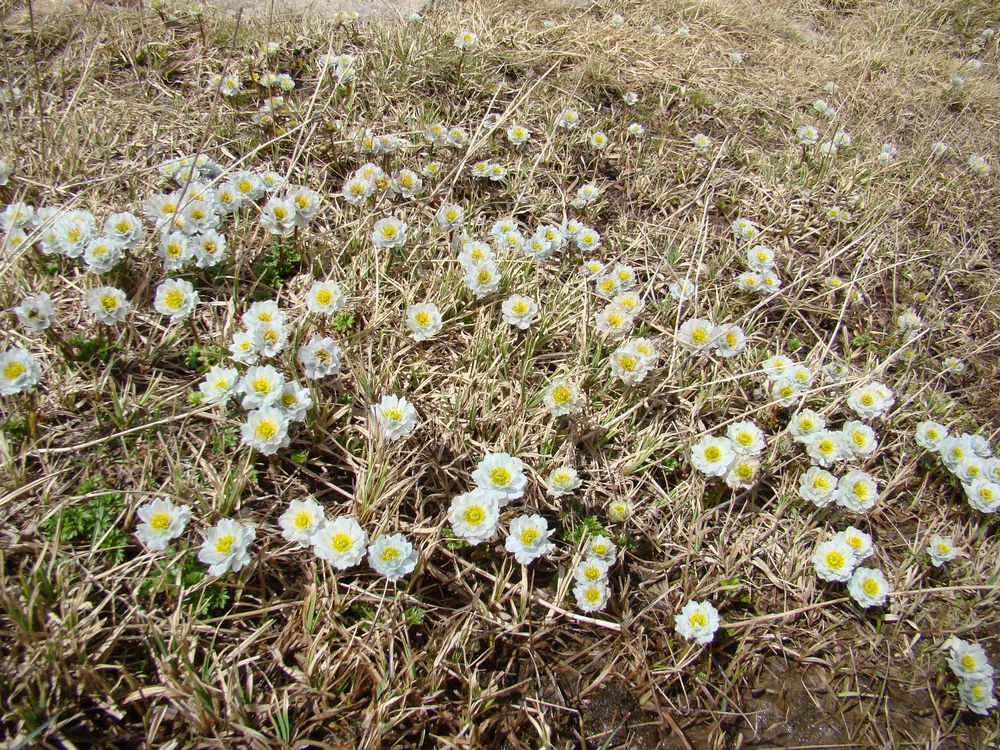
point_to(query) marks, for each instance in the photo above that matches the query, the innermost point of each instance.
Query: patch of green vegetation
(172, 578)
(92, 520)
(202, 358)
(89, 350)
(280, 263)
(580, 527)
(343, 321)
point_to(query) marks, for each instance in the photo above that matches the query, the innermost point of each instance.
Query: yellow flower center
(245, 186)
(977, 692)
(529, 535)
(224, 543)
(627, 362)
(302, 201)
(854, 541)
(160, 521)
(208, 246)
(288, 400)
(280, 213)
(592, 595)
(986, 494)
(123, 226)
(303, 520)
(599, 548)
(592, 573)
(806, 424)
(744, 471)
(860, 490)
(267, 430)
(968, 661)
(221, 384)
(871, 586)
(826, 446)
(261, 386)
(713, 453)
(821, 483)
(943, 548)
(174, 299)
(933, 434)
(388, 231)
(745, 438)
(614, 319)
(697, 619)
(322, 355)
(835, 560)
(786, 391)
(13, 370)
(519, 307)
(500, 476)
(474, 515)
(699, 335)
(484, 276)
(393, 413)
(389, 553)
(341, 542)
(561, 394)
(422, 318)
(867, 399)
(762, 256)
(560, 477)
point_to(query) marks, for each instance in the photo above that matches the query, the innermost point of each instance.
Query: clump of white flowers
(970, 664)
(562, 396)
(969, 458)
(394, 417)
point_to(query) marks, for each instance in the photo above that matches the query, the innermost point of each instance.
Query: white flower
(598, 141)
(320, 357)
(483, 279)
(834, 560)
(630, 98)
(340, 541)
(712, 455)
(619, 511)
(518, 134)
(613, 321)
(836, 372)
(635, 130)
(979, 164)
(743, 472)
(697, 621)
(591, 570)
(278, 216)
(746, 438)
(808, 135)
(968, 661)
(219, 384)
(568, 119)
(868, 587)
(702, 142)
(628, 365)
(977, 695)
(242, 348)
(626, 276)
(209, 249)
(941, 549)
(175, 250)
(266, 429)
(805, 424)
(466, 41)
(474, 515)
(300, 521)
(953, 364)
(424, 320)
(160, 522)
(587, 240)
(19, 372)
(697, 334)
(17, 214)
(269, 338)
(396, 417)
(824, 448)
(227, 546)
(591, 596)
(307, 203)
(730, 340)
(357, 189)
(938, 148)
(859, 541)
(682, 290)
(607, 285)
(818, 486)
(261, 313)
(770, 283)
(858, 439)
(450, 215)
(389, 232)
(562, 396)
(983, 495)
(529, 538)
(324, 297)
(176, 298)
(745, 229)
(603, 549)
(749, 281)
(617, 20)
(474, 252)
(930, 434)
(562, 481)
(392, 556)
(294, 402)
(107, 303)
(261, 386)
(857, 491)
(519, 311)
(501, 473)
(36, 312)
(760, 258)
(871, 400)
(73, 231)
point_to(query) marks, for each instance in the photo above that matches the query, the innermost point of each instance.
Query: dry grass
(105, 643)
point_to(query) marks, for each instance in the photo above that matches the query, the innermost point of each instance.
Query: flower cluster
(970, 664)
(839, 559)
(969, 458)
(735, 457)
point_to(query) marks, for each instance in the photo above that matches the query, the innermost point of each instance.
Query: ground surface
(102, 639)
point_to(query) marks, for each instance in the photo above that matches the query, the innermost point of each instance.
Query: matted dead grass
(103, 642)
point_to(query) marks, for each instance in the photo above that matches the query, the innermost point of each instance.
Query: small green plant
(92, 520)
(343, 321)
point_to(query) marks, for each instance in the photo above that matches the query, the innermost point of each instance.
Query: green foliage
(89, 350)
(862, 340)
(414, 615)
(364, 614)
(343, 321)
(584, 526)
(203, 358)
(170, 578)
(280, 263)
(16, 427)
(92, 520)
